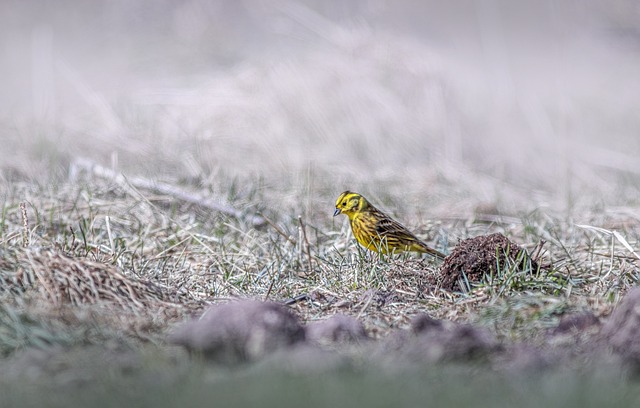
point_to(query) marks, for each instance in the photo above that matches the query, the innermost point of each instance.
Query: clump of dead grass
(59, 279)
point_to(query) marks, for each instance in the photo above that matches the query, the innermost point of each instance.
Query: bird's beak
(337, 212)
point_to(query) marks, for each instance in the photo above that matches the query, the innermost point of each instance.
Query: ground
(87, 305)
(168, 175)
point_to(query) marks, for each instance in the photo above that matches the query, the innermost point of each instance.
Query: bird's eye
(344, 202)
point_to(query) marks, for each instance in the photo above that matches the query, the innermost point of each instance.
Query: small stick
(538, 250)
(366, 306)
(73, 238)
(296, 299)
(25, 225)
(266, 296)
(307, 246)
(278, 229)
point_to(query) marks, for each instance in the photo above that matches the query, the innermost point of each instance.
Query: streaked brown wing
(395, 233)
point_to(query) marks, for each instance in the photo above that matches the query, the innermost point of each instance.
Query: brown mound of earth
(240, 331)
(431, 340)
(336, 329)
(622, 329)
(474, 258)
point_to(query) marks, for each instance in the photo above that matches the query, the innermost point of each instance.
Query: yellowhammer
(377, 231)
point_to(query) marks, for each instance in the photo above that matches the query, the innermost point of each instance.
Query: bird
(377, 231)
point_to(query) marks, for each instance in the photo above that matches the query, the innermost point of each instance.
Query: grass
(208, 257)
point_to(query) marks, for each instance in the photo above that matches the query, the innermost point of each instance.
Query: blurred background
(541, 98)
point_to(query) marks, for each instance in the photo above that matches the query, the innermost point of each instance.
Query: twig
(538, 250)
(278, 229)
(366, 306)
(158, 187)
(273, 281)
(73, 238)
(296, 299)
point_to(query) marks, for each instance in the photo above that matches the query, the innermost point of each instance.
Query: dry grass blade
(624, 242)
(614, 234)
(25, 225)
(307, 247)
(593, 228)
(162, 188)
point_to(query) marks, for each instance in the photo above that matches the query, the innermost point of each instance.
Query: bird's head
(350, 203)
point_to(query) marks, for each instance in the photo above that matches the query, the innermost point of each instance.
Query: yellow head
(350, 203)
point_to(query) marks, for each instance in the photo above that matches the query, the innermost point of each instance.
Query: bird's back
(376, 231)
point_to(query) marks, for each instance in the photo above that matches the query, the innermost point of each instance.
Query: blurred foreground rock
(240, 331)
(622, 330)
(430, 340)
(336, 329)
(245, 331)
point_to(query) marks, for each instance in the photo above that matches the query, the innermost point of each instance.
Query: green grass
(212, 257)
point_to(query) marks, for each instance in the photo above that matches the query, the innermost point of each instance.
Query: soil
(243, 332)
(427, 340)
(473, 259)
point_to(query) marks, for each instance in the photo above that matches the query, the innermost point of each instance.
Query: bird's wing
(392, 230)
(387, 226)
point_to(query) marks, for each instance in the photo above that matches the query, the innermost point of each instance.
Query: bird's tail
(424, 248)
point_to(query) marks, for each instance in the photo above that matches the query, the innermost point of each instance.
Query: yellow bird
(377, 231)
